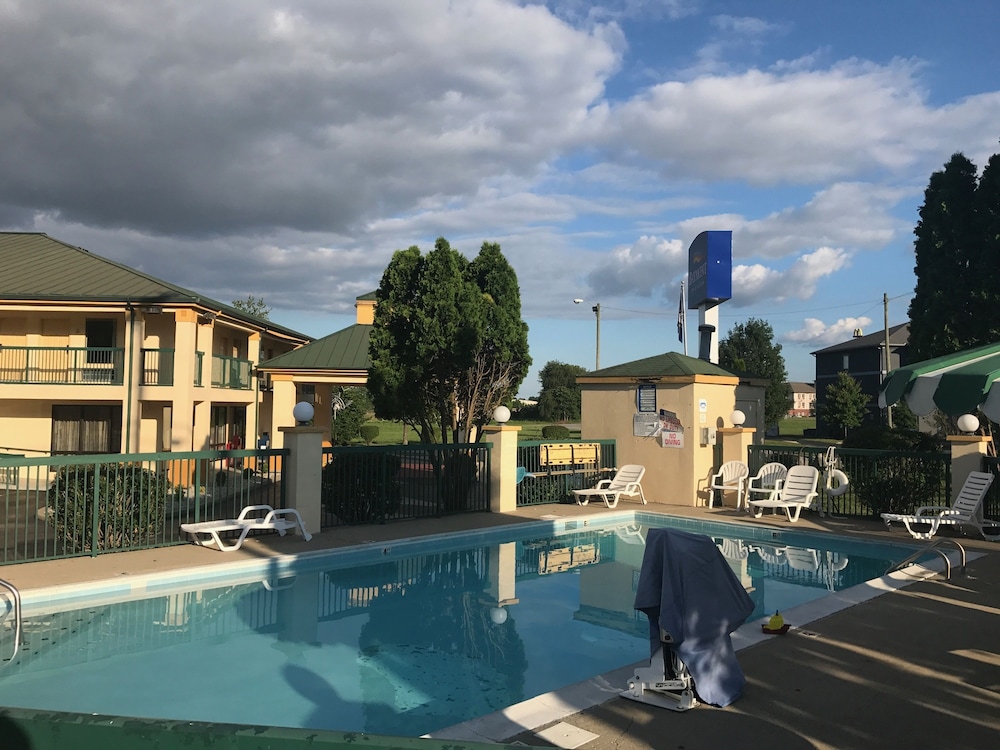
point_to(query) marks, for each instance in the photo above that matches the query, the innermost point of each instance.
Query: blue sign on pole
(710, 269)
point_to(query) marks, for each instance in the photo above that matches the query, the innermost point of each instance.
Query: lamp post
(597, 311)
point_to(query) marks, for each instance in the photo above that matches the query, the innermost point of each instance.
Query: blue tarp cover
(687, 588)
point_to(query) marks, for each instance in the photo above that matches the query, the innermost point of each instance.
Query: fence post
(301, 473)
(503, 466)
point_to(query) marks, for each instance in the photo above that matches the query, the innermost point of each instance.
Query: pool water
(400, 640)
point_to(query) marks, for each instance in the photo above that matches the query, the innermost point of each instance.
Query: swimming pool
(397, 639)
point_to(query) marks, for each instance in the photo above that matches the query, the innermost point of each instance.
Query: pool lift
(658, 686)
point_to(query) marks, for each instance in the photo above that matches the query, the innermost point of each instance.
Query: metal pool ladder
(933, 547)
(16, 599)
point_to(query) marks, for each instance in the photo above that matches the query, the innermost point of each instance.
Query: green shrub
(875, 437)
(555, 432)
(131, 506)
(899, 484)
(368, 433)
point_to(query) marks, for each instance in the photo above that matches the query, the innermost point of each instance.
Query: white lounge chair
(796, 491)
(732, 475)
(251, 518)
(764, 484)
(965, 511)
(624, 482)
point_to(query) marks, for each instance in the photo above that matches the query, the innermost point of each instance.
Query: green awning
(956, 383)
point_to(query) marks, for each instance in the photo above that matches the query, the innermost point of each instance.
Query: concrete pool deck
(916, 667)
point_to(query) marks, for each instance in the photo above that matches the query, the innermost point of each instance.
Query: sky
(286, 150)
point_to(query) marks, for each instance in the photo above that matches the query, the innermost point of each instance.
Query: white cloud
(816, 333)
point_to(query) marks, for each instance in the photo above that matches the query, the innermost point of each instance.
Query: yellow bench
(568, 458)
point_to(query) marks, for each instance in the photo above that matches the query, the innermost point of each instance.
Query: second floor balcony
(95, 365)
(62, 365)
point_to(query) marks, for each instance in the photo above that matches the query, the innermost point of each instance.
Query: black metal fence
(376, 484)
(879, 481)
(73, 506)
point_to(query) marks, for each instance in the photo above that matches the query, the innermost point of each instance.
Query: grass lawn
(795, 426)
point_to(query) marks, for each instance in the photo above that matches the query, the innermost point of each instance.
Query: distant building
(803, 399)
(863, 358)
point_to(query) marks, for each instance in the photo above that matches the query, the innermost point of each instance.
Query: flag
(680, 317)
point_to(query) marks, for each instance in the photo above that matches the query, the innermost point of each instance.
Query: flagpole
(682, 314)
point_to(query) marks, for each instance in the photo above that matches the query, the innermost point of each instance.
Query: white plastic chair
(765, 482)
(797, 491)
(732, 475)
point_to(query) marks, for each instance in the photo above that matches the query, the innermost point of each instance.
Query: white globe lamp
(737, 418)
(303, 412)
(968, 423)
(498, 615)
(501, 414)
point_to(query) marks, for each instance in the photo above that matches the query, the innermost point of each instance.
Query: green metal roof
(343, 350)
(671, 364)
(38, 267)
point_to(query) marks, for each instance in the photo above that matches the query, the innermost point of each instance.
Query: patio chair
(764, 483)
(732, 475)
(965, 511)
(796, 491)
(205, 533)
(624, 482)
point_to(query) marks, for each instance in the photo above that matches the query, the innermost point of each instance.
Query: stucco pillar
(736, 442)
(301, 471)
(503, 466)
(282, 404)
(967, 453)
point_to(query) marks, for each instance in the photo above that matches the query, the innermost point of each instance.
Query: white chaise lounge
(965, 511)
(625, 482)
(251, 518)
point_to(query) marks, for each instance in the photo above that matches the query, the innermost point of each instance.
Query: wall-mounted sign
(645, 425)
(671, 430)
(645, 398)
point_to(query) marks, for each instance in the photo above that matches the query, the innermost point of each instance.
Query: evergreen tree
(750, 348)
(253, 306)
(948, 251)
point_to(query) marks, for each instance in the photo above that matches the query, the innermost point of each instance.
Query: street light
(597, 311)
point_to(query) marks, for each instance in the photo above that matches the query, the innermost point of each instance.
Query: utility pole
(597, 311)
(885, 373)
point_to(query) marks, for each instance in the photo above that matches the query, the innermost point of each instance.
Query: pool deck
(918, 666)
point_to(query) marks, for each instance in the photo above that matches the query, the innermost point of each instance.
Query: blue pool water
(403, 639)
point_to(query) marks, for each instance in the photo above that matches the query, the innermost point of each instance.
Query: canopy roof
(956, 383)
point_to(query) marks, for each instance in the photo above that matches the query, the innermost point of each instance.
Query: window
(846, 367)
(78, 429)
(100, 333)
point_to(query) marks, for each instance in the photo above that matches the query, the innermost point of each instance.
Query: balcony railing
(62, 365)
(231, 372)
(157, 366)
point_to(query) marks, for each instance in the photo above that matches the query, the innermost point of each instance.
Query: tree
(253, 306)
(750, 348)
(946, 244)
(448, 344)
(846, 404)
(560, 398)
